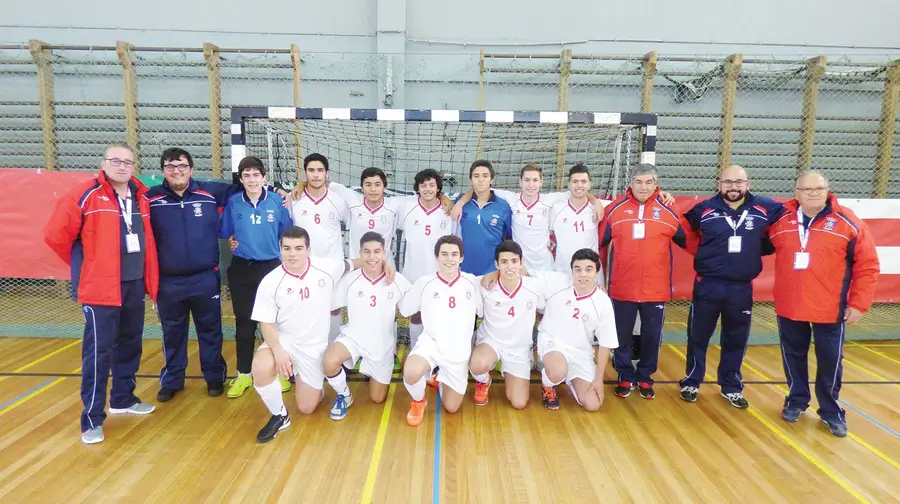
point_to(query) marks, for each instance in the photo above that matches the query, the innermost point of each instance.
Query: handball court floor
(201, 449)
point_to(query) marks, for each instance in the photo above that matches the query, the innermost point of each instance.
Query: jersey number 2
(577, 314)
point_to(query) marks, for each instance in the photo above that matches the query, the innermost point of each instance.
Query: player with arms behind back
(449, 302)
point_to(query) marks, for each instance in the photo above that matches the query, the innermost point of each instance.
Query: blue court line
(16, 399)
(876, 422)
(436, 476)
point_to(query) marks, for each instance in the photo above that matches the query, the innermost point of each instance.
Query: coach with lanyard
(726, 233)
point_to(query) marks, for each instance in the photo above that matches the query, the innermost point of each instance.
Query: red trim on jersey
(578, 211)
(526, 205)
(301, 277)
(373, 281)
(579, 298)
(204, 193)
(451, 282)
(373, 210)
(427, 211)
(514, 292)
(316, 201)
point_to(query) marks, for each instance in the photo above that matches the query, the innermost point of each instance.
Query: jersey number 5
(427, 229)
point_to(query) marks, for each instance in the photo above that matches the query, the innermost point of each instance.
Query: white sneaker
(140, 408)
(92, 436)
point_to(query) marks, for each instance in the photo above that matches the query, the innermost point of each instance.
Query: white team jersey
(448, 311)
(421, 230)
(574, 321)
(322, 218)
(299, 305)
(509, 315)
(575, 229)
(371, 307)
(363, 218)
(531, 226)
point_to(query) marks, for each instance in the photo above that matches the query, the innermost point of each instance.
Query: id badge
(132, 244)
(801, 260)
(734, 244)
(638, 231)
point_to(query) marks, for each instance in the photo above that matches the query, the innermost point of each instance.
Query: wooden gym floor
(201, 449)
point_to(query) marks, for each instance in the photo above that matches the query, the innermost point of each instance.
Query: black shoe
(646, 390)
(790, 414)
(736, 399)
(276, 423)
(689, 393)
(166, 394)
(215, 389)
(624, 388)
(837, 427)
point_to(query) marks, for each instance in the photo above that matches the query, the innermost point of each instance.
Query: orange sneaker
(481, 392)
(548, 394)
(432, 381)
(416, 412)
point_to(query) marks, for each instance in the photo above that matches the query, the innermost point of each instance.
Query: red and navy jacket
(843, 265)
(187, 227)
(708, 232)
(84, 231)
(640, 270)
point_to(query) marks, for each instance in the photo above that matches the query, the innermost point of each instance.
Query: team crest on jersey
(331, 215)
(749, 225)
(544, 212)
(656, 213)
(494, 220)
(585, 317)
(468, 294)
(829, 223)
(198, 211)
(390, 295)
(271, 216)
(443, 224)
(321, 282)
(529, 306)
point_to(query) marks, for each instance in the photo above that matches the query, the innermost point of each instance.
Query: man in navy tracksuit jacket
(185, 218)
(727, 231)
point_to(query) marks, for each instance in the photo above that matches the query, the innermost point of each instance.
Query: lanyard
(641, 213)
(126, 211)
(803, 231)
(734, 227)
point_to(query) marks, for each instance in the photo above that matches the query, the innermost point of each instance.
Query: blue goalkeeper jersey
(482, 229)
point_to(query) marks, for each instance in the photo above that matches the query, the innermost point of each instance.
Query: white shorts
(452, 374)
(379, 371)
(516, 361)
(579, 363)
(307, 362)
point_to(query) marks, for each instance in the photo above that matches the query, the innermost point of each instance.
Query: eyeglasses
(119, 162)
(169, 167)
(734, 183)
(812, 190)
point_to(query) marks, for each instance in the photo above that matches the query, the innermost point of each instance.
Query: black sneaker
(736, 399)
(790, 414)
(276, 424)
(624, 388)
(166, 394)
(689, 393)
(646, 390)
(215, 389)
(837, 428)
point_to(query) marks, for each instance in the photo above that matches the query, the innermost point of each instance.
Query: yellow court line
(369, 487)
(880, 354)
(781, 435)
(35, 393)
(42, 359)
(864, 370)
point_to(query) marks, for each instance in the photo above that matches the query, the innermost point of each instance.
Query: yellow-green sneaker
(239, 385)
(285, 385)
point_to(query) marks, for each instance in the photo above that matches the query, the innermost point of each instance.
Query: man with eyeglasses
(726, 234)
(826, 270)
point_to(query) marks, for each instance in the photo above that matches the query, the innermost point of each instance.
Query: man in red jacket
(826, 268)
(102, 229)
(639, 230)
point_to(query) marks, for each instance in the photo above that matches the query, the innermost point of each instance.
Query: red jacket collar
(135, 182)
(831, 204)
(630, 195)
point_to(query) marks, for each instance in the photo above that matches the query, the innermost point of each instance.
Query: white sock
(482, 378)
(416, 390)
(545, 380)
(335, 328)
(415, 330)
(271, 395)
(339, 383)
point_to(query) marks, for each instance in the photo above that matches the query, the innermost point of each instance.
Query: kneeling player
(576, 312)
(370, 334)
(449, 302)
(505, 334)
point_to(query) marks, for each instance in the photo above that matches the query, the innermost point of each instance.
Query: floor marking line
(369, 487)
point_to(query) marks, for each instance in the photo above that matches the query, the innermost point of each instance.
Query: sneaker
(397, 365)
(481, 392)
(689, 393)
(646, 390)
(736, 399)
(275, 425)
(416, 412)
(239, 385)
(838, 428)
(339, 408)
(624, 388)
(215, 389)
(548, 394)
(166, 394)
(791, 414)
(285, 384)
(432, 381)
(92, 436)
(139, 408)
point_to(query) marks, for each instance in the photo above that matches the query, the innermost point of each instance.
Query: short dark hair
(585, 254)
(508, 246)
(579, 168)
(448, 240)
(251, 162)
(372, 172)
(531, 167)
(174, 154)
(371, 236)
(426, 175)
(315, 156)
(481, 162)
(295, 232)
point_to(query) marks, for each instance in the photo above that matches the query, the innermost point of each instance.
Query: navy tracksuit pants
(653, 316)
(180, 299)
(795, 337)
(733, 301)
(111, 342)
